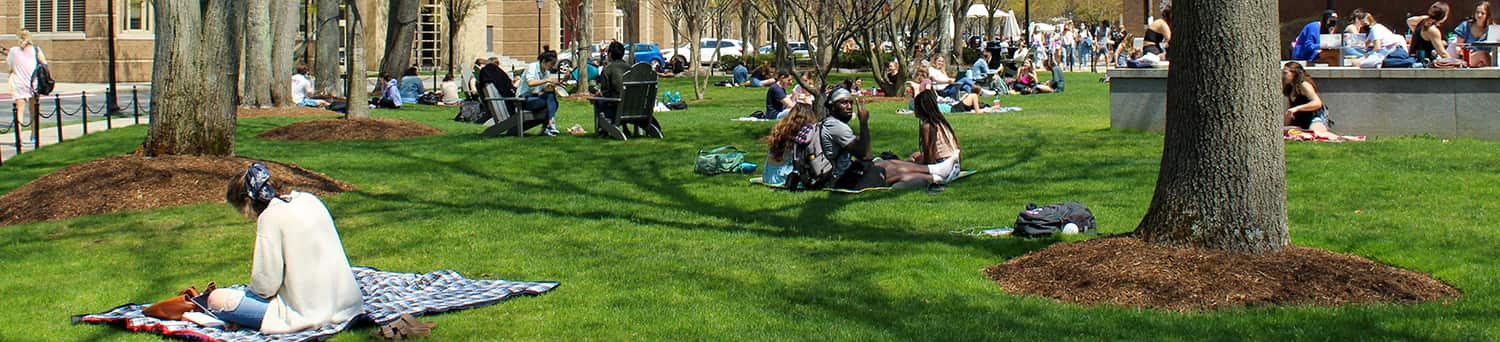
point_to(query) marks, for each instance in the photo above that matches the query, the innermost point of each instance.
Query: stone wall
(1373, 102)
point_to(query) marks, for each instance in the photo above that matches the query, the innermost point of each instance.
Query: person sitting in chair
(540, 86)
(937, 162)
(612, 80)
(299, 276)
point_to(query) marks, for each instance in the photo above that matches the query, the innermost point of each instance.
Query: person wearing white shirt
(302, 89)
(300, 277)
(539, 86)
(450, 92)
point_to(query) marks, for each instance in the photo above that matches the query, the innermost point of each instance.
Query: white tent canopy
(982, 11)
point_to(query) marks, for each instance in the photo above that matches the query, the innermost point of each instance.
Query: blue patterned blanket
(387, 296)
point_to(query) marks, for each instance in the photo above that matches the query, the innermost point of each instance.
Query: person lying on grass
(937, 162)
(1305, 110)
(299, 276)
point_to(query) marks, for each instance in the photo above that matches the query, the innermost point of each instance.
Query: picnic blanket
(757, 181)
(387, 296)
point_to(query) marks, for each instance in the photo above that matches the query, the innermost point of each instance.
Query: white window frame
(148, 20)
(53, 16)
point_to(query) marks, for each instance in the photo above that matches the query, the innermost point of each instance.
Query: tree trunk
(1222, 181)
(400, 30)
(581, 58)
(945, 29)
(284, 21)
(783, 58)
(632, 9)
(359, 96)
(257, 83)
(453, 27)
(192, 113)
(326, 63)
(695, 36)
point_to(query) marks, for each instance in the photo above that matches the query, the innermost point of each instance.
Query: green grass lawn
(647, 250)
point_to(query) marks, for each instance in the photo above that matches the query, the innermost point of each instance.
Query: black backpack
(42, 78)
(471, 112)
(1050, 219)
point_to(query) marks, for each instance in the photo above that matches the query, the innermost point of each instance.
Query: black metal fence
(59, 112)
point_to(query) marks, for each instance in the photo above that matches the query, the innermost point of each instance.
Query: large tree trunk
(632, 9)
(581, 57)
(1222, 181)
(400, 30)
(284, 21)
(945, 29)
(257, 83)
(326, 64)
(359, 96)
(192, 113)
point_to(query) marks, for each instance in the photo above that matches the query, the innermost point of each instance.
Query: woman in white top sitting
(300, 278)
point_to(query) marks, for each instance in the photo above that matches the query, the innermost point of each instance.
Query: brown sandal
(403, 328)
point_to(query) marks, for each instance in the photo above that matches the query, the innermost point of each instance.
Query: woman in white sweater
(300, 278)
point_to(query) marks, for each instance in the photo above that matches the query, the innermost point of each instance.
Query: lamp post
(539, 27)
(111, 103)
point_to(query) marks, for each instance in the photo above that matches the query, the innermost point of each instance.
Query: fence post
(15, 119)
(135, 102)
(109, 122)
(58, 112)
(84, 111)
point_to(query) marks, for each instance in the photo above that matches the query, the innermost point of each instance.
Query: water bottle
(746, 168)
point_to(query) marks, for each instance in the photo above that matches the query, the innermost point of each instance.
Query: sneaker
(548, 133)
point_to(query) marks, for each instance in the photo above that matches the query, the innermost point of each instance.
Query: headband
(256, 183)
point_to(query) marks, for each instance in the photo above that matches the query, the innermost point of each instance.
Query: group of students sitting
(1378, 46)
(807, 151)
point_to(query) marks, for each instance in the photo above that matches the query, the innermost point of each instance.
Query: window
(489, 39)
(137, 15)
(52, 15)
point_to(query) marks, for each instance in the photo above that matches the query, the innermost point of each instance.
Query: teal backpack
(722, 159)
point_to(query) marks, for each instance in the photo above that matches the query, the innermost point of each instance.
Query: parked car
(646, 53)
(800, 50)
(706, 47)
(565, 58)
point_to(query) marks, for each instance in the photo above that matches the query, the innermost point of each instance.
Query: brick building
(74, 34)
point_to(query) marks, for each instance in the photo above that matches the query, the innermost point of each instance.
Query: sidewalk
(70, 89)
(48, 135)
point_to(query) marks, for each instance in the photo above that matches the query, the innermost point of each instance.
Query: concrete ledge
(1373, 102)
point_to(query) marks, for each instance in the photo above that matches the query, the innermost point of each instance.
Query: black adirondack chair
(634, 109)
(507, 121)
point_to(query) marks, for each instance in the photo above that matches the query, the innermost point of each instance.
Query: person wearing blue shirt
(741, 74)
(539, 86)
(1305, 48)
(411, 86)
(979, 73)
(1475, 30)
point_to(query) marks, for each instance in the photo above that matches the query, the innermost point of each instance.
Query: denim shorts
(249, 313)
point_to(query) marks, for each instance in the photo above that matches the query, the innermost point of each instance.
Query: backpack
(471, 112)
(810, 164)
(722, 159)
(430, 98)
(1052, 218)
(42, 78)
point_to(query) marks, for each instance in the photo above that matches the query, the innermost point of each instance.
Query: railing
(57, 113)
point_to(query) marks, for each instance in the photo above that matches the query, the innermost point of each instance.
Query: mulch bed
(1126, 271)
(131, 182)
(350, 129)
(283, 112)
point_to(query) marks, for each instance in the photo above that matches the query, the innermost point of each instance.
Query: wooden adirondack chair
(502, 120)
(634, 109)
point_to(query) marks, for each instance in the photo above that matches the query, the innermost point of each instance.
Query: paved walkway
(49, 135)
